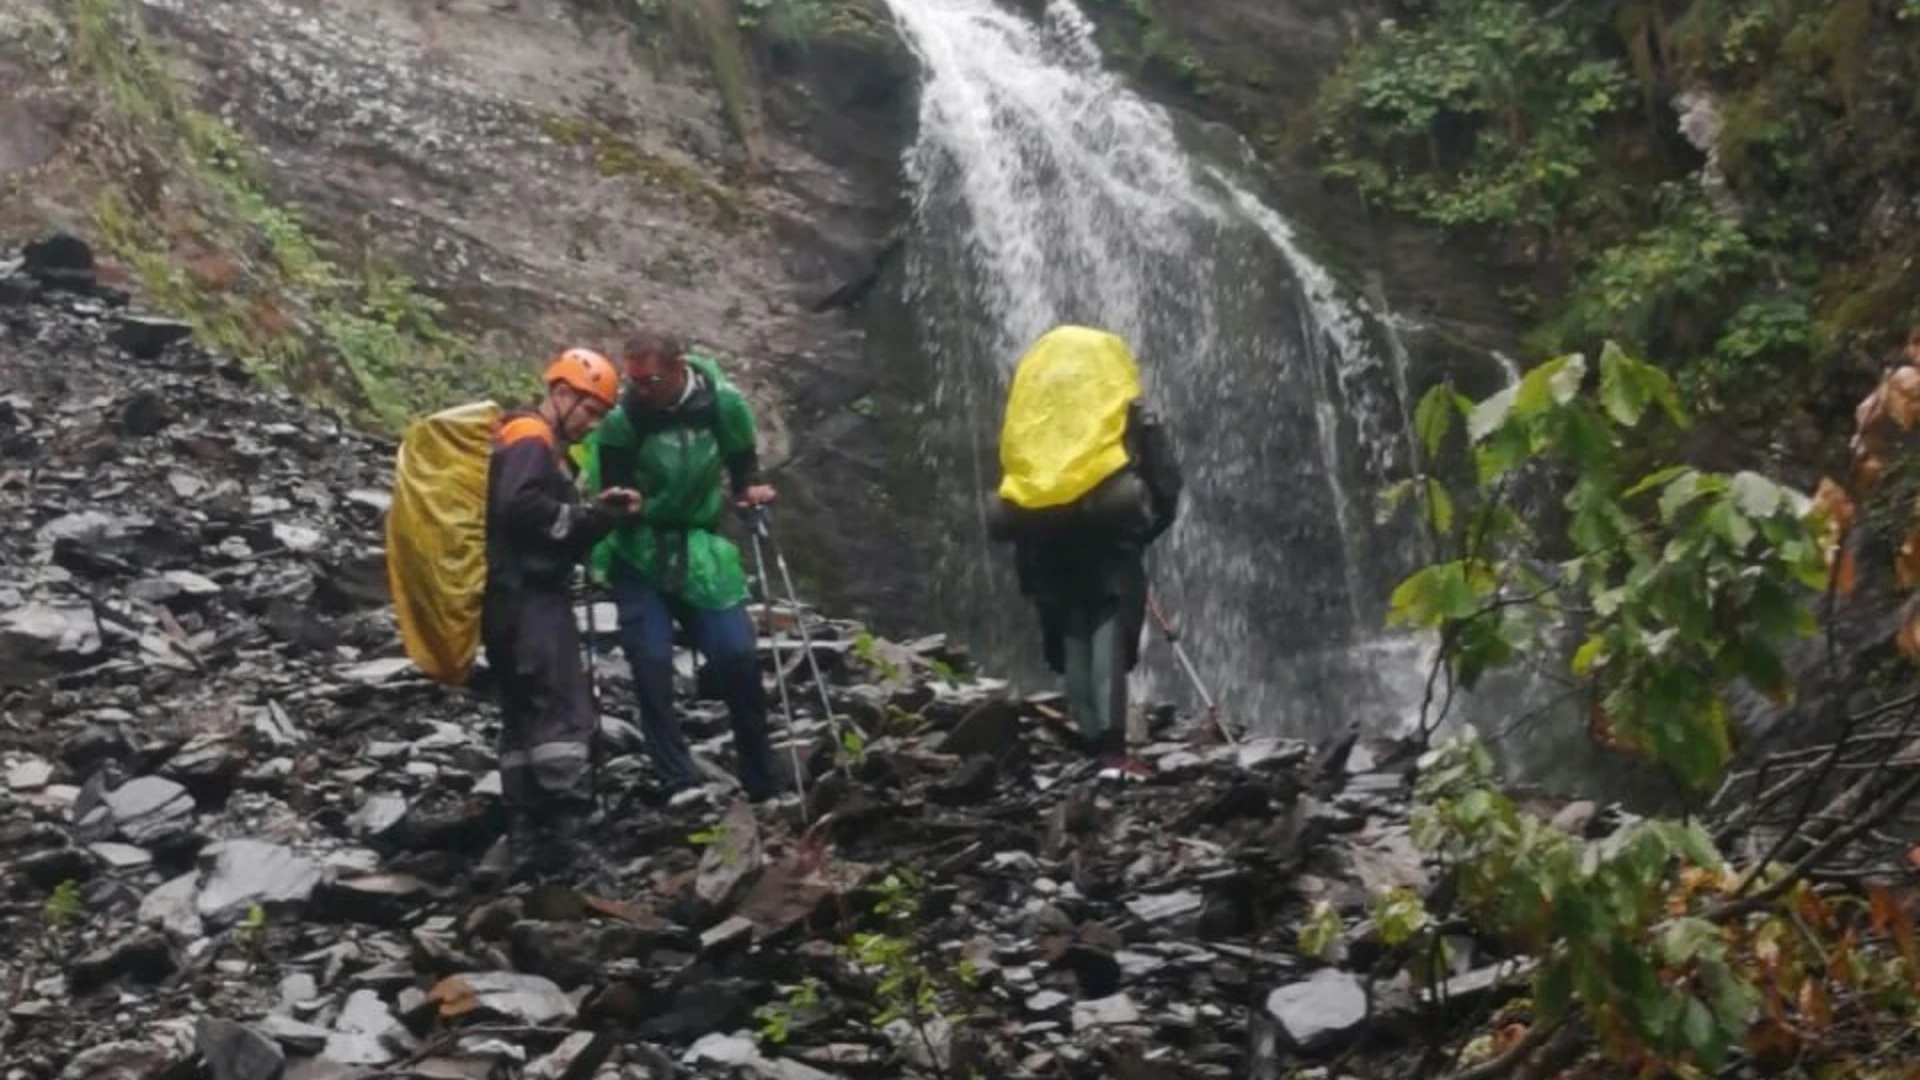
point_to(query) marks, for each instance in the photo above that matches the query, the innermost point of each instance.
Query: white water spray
(1047, 192)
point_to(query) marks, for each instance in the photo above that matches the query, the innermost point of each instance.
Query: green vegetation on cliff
(1728, 186)
(178, 198)
(734, 36)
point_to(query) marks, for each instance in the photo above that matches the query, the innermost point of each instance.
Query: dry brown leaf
(1871, 408)
(1814, 1003)
(1600, 728)
(454, 997)
(1832, 512)
(612, 909)
(1884, 906)
(1903, 396)
(1867, 471)
(1909, 641)
(1834, 499)
(1509, 1037)
(1907, 563)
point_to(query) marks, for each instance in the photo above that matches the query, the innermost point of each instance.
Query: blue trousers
(726, 639)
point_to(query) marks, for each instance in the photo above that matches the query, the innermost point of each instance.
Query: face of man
(578, 413)
(654, 380)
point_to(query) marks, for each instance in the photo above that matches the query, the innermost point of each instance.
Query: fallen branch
(1892, 805)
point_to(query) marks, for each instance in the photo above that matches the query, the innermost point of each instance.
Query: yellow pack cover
(1066, 417)
(437, 537)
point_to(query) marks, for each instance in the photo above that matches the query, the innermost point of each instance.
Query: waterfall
(1046, 192)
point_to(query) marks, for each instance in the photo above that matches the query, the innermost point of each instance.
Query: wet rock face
(228, 853)
(556, 179)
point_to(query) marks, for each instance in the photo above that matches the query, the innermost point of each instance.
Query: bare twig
(1901, 795)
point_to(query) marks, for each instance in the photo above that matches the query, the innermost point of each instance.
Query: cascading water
(1047, 192)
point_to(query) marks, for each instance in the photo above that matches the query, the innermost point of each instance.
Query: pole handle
(758, 519)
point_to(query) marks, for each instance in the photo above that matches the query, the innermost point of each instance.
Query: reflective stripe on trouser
(547, 713)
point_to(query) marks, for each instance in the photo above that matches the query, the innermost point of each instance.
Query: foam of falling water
(1048, 192)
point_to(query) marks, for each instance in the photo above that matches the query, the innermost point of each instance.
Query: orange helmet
(588, 372)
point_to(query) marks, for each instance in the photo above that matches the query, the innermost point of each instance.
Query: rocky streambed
(241, 839)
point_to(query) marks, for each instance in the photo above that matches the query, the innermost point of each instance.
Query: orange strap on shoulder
(519, 429)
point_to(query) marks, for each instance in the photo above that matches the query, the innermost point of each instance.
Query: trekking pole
(593, 642)
(1193, 676)
(780, 674)
(593, 691)
(758, 522)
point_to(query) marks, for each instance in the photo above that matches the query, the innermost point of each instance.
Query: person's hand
(756, 496)
(625, 502)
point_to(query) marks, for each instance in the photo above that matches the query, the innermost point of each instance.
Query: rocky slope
(548, 172)
(242, 841)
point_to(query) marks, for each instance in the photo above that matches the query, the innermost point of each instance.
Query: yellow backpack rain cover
(1066, 417)
(437, 537)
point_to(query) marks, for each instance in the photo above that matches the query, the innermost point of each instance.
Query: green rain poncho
(677, 459)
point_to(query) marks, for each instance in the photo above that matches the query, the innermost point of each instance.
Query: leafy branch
(1667, 587)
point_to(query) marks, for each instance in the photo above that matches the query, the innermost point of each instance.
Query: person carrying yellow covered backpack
(486, 529)
(1089, 480)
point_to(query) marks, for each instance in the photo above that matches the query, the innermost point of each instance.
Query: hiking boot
(571, 856)
(525, 842)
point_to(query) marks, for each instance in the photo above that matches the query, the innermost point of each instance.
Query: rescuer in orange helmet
(538, 530)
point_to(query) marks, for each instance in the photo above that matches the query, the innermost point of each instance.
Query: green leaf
(1693, 738)
(1659, 385)
(1653, 480)
(1320, 931)
(1684, 940)
(1500, 454)
(1624, 398)
(1730, 524)
(1535, 392)
(1433, 594)
(1756, 496)
(1592, 526)
(1733, 998)
(1565, 381)
(1591, 652)
(1680, 491)
(1761, 666)
(1399, 914)
(1433, 417)
(1440, 506)
(1490, 414)
(1389, 500)
(1628, 385)
(1692, 840)
(1704, 1035)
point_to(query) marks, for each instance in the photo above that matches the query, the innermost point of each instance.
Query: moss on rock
(178, 199)
(614, 155)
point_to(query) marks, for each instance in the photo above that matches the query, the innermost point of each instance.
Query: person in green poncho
(681, 428)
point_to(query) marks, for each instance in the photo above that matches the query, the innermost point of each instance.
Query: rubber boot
(525, 844)
(575, 859)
